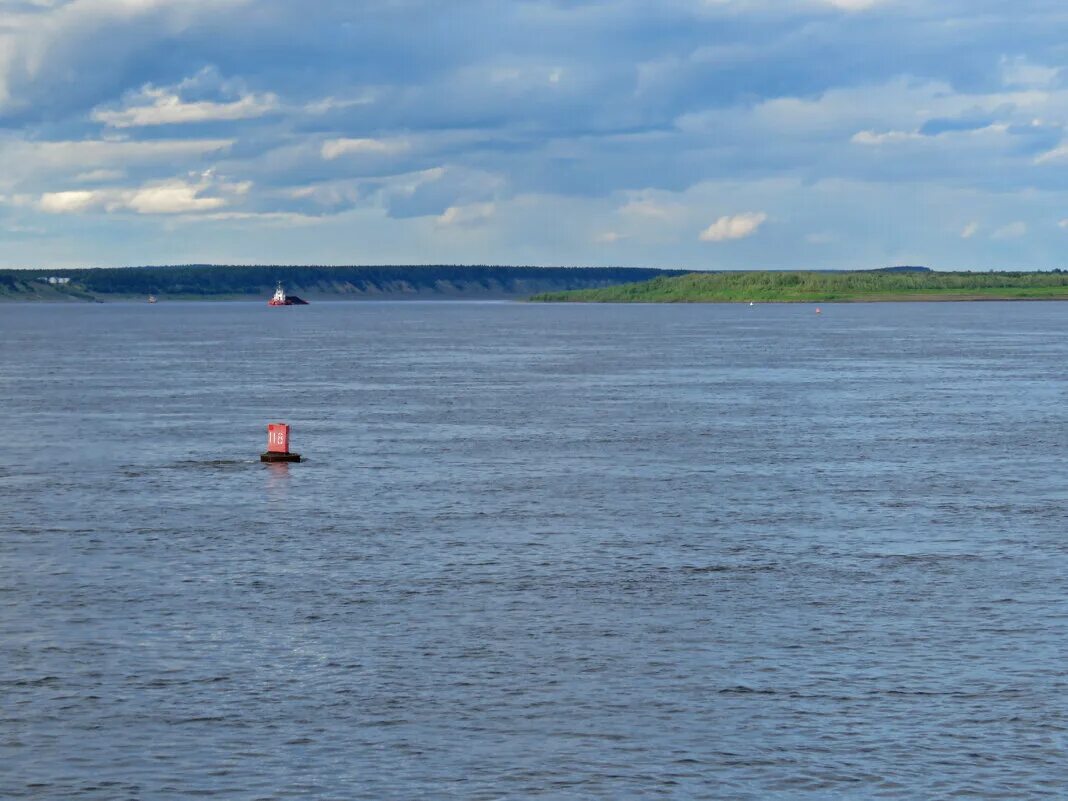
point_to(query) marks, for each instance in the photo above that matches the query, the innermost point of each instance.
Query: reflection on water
(277, 482)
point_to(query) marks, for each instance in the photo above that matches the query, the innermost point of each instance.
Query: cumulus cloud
(173, 197)
(93, 158)
(155, 106)
(738, 226)
(614, 111)
(68, 202)
(326, 105)
(467, 215)
(176, 196)
(653, 209)
(336, 148)
(42, 44)
(970, 230)
(329, 194)
(883, 138)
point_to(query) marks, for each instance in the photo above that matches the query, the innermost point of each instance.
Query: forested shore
(545, 284)
(356, 282)
(827, 287)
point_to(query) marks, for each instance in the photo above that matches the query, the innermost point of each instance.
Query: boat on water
(151, 298)
(280, 298)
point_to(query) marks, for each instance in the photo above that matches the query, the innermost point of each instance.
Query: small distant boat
(280, 298)
(151, 298)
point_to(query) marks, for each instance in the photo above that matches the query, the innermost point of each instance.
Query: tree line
(802, 285)
(236, 280)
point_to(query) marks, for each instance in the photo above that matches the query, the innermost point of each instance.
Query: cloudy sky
(677, 133)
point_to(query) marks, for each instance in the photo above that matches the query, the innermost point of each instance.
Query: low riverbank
(828, 287)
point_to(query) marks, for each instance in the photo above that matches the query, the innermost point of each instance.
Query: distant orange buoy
(278, 444)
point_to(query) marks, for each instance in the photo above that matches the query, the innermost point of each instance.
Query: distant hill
(792, 287)
(902, 269)
(386, 282)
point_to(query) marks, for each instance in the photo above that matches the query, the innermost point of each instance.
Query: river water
(535, 551)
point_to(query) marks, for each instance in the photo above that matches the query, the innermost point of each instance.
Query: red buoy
(278, 444)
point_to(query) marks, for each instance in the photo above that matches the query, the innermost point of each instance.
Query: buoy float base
(279, 457)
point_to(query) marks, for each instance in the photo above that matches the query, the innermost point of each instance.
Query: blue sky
(706, 134)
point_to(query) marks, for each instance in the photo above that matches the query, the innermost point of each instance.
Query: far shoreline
(436, 284)
(891, 286)
(525, 300)
(815, 301)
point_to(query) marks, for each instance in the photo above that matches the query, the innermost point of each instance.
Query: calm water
(558, 552)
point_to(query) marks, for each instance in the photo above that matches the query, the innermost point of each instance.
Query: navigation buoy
(278, 444)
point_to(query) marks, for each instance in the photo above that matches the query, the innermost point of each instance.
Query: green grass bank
(825, 287)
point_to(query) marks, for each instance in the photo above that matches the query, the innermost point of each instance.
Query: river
(535, 551)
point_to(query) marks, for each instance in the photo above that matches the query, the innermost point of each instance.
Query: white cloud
(173, 197)
(561, 121)
(409, 183)
(1059, 153)
(98, 176)
(260, 217)
(854, 5)
(335, 148)
(67, 202)
(528, 75)
(327, 104)
(738, 226)
(331, 194)
(176, 196)
(46, 42)
(162, 107)
(467, 215)
(1020, 72)
(970, 230)
(650, 209)
(1013, 230)
(86, 156)
(887, 137)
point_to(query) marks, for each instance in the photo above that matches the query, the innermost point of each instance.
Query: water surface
(535, 551)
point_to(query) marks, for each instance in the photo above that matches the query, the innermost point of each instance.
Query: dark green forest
(231, 281)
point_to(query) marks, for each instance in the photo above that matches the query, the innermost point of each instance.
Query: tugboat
(282, 299)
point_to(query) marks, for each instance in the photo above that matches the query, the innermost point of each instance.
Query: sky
(698, 134)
